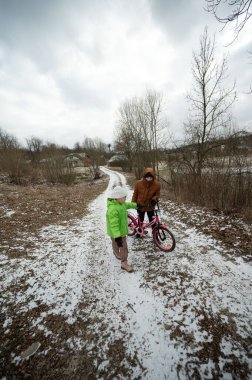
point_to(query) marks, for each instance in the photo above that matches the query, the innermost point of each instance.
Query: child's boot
(126, 266)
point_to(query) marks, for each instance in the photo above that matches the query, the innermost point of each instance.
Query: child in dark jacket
(117, 224)
(146, 193)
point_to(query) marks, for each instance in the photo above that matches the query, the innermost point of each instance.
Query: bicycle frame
(162, 236)
(141, 226)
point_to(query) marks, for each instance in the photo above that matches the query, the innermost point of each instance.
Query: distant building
(77, 159)
(118, 160)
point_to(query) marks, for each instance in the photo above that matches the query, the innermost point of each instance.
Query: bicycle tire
(164, 239)
(131, 225)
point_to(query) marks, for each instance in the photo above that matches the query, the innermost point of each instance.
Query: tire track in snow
(118, 178)
(130, 311)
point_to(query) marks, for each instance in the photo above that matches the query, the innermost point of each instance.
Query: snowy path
(183, 315)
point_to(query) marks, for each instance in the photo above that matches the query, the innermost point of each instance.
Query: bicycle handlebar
(154, 207)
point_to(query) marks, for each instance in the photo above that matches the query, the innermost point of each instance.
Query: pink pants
(120, 252)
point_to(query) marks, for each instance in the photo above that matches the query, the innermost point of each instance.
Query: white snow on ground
(154, 310)
(7, 213)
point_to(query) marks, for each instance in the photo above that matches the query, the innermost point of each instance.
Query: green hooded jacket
(117, 217)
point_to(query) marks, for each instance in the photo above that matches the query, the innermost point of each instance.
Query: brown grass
(35, 206)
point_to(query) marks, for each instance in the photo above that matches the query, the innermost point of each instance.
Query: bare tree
(128, 136)
(77, 147)
(88, 145)
(140, 130)
(7, 141)
(100, 146)
(210, 102)
(235, 11)
(34, 145)
(154, 135)
(96, 150)
(94, 146)
(12, 157)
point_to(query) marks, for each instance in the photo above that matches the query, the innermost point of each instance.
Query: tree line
(38, 159)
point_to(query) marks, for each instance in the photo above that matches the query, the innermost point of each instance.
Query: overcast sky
(67, 65)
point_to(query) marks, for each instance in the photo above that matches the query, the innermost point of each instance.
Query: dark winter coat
(145, 191)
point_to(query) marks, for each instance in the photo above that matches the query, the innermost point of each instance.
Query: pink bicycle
(162, 236)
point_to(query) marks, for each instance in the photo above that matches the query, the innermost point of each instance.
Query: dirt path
(183, 315)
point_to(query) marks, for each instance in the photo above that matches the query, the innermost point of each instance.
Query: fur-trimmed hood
(145, 191)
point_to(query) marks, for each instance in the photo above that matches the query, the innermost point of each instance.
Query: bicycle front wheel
(131, 225)
(164, 239)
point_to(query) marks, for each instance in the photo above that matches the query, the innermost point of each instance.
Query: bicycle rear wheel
(131, 225)
(164, 239)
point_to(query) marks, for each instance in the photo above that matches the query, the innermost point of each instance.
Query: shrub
(55, 171)
(12, 162)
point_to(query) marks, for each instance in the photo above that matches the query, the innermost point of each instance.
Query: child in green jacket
(117, 224)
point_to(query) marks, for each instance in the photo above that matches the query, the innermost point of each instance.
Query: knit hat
(118, 192)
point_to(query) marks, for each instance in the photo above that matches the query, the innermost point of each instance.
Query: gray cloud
(180, 18)
(82, 94)
(66, 65)
(240, 67)
(39, 29)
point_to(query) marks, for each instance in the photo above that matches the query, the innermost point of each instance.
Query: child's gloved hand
(119, 242)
